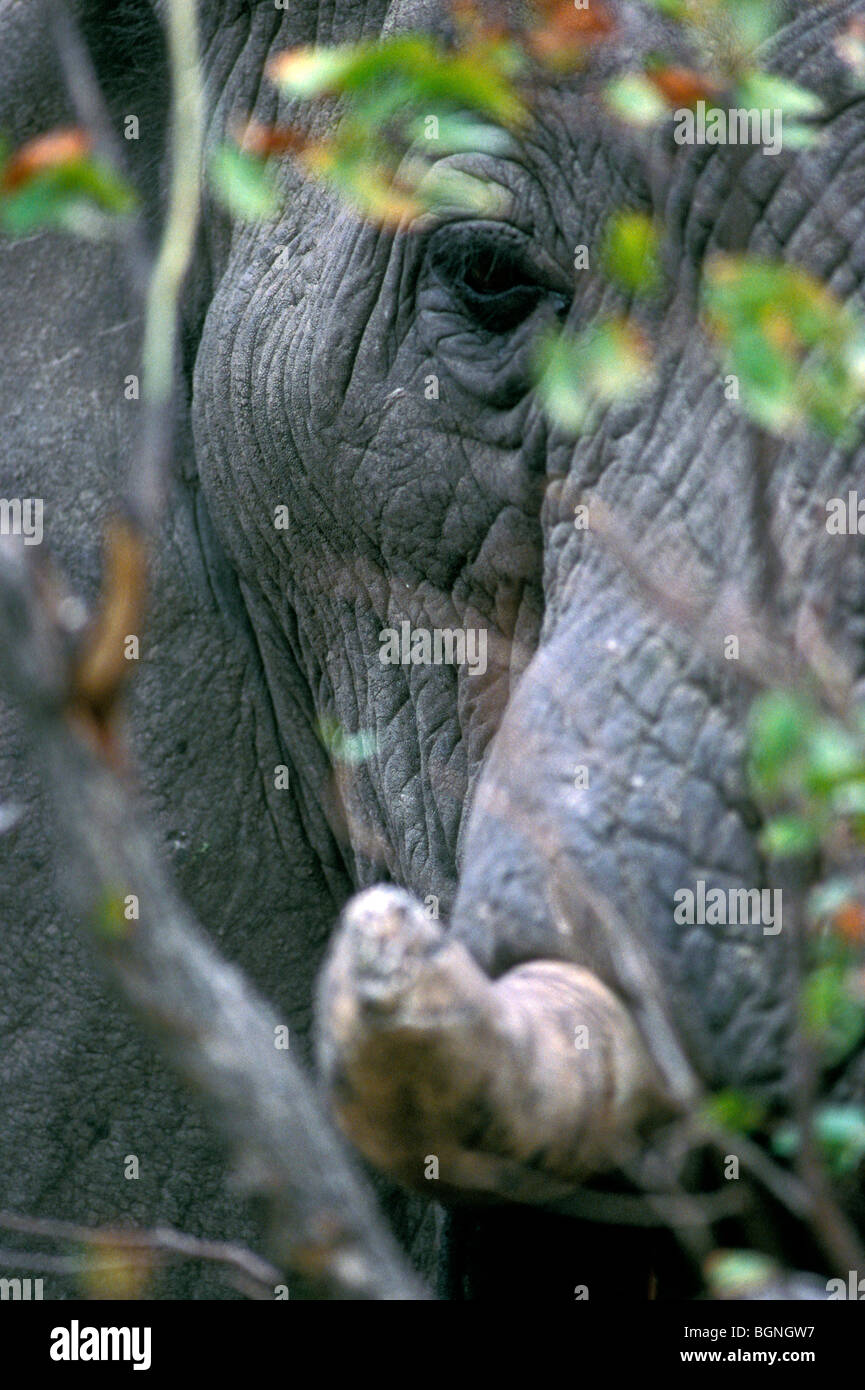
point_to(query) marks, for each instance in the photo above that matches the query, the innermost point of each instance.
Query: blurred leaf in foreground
(405, 102)
(789, 837)
(796, 348)
(609, 361)
(56, 181)
(738, 1273)
(779, 723)
(840, 1132)
(407, 66)
(344, 747)
(831, 1014)
(243, 184)
(636, 100)
(630, 252)
(765, 91)
(733, 1109)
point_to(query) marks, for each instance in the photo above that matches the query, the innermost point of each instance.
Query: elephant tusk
(451, 1082)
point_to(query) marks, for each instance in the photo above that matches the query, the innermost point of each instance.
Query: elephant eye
(491, 278)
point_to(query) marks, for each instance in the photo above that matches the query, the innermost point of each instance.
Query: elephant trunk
(513, 1088)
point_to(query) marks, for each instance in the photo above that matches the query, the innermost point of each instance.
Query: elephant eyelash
(491, 278)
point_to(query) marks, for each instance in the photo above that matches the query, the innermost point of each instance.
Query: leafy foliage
(244, 184)
(807, 770)
(403, 101)
(733, 1110)
(810, 768)
(344, 747)
(840, 1131)
(577, 375)
(56, 181)
(630, 252)
(799, 352)
(738, 1273)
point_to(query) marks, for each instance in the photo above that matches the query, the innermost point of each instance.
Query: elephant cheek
(613, 783)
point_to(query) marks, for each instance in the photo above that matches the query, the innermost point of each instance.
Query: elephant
(375, 387)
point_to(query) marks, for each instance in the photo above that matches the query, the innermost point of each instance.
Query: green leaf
(344, 747)
(561, 393)
(833, 756)
(738, 1273)
(768, 380)
(832, 1017)
(636, 100)
(785, 1141)
(796, 348)
(840, 1131)
(732, 1109)
(744, 24)
(848, 801)
(456, 134)
(789, 837)
(751, 22)
(674, 9)
(81, 195)
(778, 725)
(243, 184)
(767, 91)
(365, 182)
(312, 72)
(630, 252)
(423, 70)
(405, 101)
(609, 361)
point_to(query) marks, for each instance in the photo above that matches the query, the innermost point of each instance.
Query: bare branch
(215, 1030)
(92, 113)
(128, 1247)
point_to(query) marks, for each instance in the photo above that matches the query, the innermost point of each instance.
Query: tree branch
(213, 1027)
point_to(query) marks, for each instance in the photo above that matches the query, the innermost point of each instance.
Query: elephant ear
(81, 1089)
(68, 345)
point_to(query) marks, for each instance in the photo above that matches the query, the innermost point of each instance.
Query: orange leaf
(849, 922)
(266, 140)
(568, 22)
(44, 152)
(471, 19)
(101, 668)
(682, 86)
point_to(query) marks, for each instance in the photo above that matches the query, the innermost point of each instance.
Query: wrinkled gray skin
(307, 348)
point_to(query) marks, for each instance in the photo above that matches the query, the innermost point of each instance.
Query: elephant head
(369, 481)
(598, 757)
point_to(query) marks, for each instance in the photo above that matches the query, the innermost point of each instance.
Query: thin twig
(92, 113)
(833, 1230)
(216, 1031)
(164, 1239)
(147, 481)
